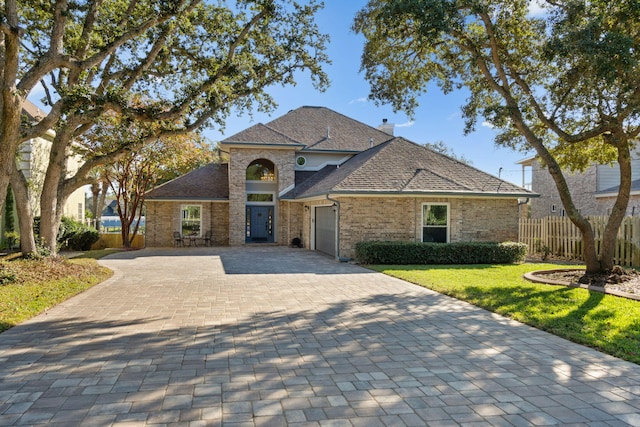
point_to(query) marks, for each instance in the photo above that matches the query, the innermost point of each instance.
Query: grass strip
(28, 287)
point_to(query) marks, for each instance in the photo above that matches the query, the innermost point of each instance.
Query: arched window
(261, 170)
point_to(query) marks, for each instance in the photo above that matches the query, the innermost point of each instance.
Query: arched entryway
(261, 191)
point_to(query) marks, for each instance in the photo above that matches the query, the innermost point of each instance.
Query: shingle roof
(261, 134)
(317, 128)
(209, 182)
(635, 186)
(403, 167)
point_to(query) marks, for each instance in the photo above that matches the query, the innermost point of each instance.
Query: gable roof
(314, 128)
(399, 166)
(210, 182)
(261, 134)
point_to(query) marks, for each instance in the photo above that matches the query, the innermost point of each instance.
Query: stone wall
(581, 186)
(163, 218)
(239, 160)
(290, 222)
(400, 219)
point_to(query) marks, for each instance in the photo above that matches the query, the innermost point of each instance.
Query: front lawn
(29, 287)
(608, 323)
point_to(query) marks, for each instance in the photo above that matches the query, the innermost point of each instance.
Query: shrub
(383, 252)
(73, 235)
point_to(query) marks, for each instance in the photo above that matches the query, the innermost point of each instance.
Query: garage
(325, 230)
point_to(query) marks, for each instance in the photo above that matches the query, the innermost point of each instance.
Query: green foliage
(9, 221)
(7, 274)
(384, 252)
(564, 82)
(565, 77)
(76, 236)
(72, 235)
(604, 322)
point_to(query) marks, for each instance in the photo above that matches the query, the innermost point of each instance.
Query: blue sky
(437, 119)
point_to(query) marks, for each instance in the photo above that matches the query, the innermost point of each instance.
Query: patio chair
(177, 239)
(207, 238)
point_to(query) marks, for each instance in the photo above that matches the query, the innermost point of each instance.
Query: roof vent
(386, 127)
(328, 132)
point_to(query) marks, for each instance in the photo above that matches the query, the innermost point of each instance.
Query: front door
(259, 226)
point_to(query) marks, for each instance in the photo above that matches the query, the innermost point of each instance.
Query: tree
(199, 61)
(143, 167)
(565, 83)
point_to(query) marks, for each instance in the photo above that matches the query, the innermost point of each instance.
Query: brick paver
(271, 336)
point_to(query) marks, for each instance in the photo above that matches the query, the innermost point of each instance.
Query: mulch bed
(619, 281)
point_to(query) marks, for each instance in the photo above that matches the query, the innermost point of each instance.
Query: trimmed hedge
(383, 252)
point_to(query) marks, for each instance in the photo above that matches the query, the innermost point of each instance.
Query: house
(331, 181)
(593, 191)
(33, 158)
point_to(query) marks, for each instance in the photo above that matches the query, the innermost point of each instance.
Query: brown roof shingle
(210, 182)
(403, 167)
(317, 128)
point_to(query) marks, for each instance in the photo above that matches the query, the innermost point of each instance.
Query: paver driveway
(275, 336)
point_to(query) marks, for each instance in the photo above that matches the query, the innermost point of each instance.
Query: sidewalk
(271, 336)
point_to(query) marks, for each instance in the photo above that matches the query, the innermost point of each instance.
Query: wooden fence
(114, 240)
(558, 236)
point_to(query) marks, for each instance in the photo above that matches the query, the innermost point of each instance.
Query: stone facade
(371, 185)
(240, 158)
(163, 218)
(400, 219)
(582, 186)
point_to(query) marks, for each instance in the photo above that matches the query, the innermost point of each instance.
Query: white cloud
(363, 99)
(488, 125)
(406, 125)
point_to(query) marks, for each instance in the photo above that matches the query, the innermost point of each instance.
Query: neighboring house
(33, 161)
(593, 191)
(331, 181)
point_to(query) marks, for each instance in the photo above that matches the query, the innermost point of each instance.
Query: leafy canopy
(567, 76)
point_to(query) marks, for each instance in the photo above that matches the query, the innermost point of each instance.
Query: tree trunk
(50, 203)
(20, 187)
(619, 210)
(10, 100)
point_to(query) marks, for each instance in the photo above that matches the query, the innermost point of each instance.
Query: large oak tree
(199, 61)
(565, 82)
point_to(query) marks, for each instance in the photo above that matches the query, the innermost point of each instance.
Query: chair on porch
(177, 239)
(207, 238)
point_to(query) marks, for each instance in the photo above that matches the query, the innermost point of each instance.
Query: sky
(438, 118)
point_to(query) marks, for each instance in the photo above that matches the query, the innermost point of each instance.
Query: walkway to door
(274, 336)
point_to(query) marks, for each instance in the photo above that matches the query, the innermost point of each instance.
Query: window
(260, 197)
(191, 217)
(301, 161)
(435, 223)
(261, 170)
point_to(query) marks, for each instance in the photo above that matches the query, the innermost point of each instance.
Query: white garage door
(325, 230)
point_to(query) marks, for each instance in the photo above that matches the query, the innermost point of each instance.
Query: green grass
(28, 287)
(605, 322)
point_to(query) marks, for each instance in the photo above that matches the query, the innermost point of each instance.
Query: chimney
(386, 127)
